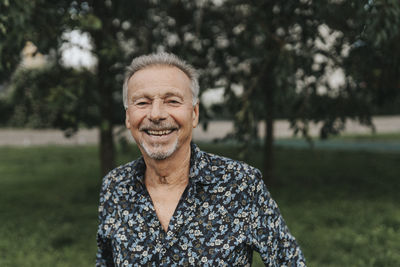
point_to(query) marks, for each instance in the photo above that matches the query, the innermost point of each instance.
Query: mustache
(158, 127)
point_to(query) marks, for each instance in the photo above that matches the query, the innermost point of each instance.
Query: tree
(282, 54)
(261, 47)
(51, 96)
(118, 31)
(374, 59)
(272, 57)
(14, 18)
(13, 21)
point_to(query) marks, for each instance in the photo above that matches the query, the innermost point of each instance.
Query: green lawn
(343, 207)
(370, 137)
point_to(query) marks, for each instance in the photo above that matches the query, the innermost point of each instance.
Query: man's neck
(170, 172)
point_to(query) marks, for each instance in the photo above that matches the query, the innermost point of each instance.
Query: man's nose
(157, 111)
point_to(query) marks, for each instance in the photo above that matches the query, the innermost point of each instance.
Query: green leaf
(91, 22)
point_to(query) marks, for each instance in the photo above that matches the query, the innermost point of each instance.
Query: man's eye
(142, 103)
(173, 101)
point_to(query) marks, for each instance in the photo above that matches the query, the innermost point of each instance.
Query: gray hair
(161, 59)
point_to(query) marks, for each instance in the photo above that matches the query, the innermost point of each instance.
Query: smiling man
(178, 205)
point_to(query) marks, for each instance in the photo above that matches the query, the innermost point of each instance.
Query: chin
(159, 151)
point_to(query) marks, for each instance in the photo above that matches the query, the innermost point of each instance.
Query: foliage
(272, 57)
(259, 47)
(263, 51)
(283, 54)
(374, 59)
(117, 32)
(342, 207)
(52, 97)
(352, 47)
(277, 58)
(361, 44)
(14, 19)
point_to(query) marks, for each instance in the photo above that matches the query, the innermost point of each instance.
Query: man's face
(160, 112)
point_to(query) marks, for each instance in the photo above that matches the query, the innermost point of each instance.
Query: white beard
(158, 151)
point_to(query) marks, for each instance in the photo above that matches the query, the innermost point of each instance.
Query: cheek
(184, 116)
(134, 118)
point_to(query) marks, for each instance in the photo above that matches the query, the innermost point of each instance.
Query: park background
(298, 89)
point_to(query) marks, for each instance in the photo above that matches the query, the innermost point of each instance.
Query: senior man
(177, 205)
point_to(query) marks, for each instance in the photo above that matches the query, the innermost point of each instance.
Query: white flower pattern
(225, 213)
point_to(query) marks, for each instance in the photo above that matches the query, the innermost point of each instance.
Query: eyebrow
(166, 95)
(173, 94)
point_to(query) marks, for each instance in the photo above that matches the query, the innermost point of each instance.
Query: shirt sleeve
(104, 257)
(268, 232)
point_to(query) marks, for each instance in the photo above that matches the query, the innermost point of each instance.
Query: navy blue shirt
(223, 215)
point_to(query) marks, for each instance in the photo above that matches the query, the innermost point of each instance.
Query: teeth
(164, 132)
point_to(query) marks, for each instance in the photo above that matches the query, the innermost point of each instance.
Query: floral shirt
(223, 215)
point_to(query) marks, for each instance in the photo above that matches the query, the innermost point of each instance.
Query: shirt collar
(135, 174)
(200, 169)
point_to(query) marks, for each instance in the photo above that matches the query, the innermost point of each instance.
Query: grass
(342, 206)
(382, 142)
(370, 137)
(48, 204)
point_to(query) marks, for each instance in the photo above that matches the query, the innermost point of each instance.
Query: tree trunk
(269, 152)
(105, 83)
(268, 157)
(107, 149)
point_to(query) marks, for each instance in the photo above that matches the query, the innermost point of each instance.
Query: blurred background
(307, 91)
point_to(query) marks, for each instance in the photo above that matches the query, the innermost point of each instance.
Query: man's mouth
(159, 132)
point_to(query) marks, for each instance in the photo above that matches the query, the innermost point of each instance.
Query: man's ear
(127, 123)
(195, 115)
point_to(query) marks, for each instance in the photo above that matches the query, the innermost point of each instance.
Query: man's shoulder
(228, 170)
(235, 178)
(122, 174)
(230, 164)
